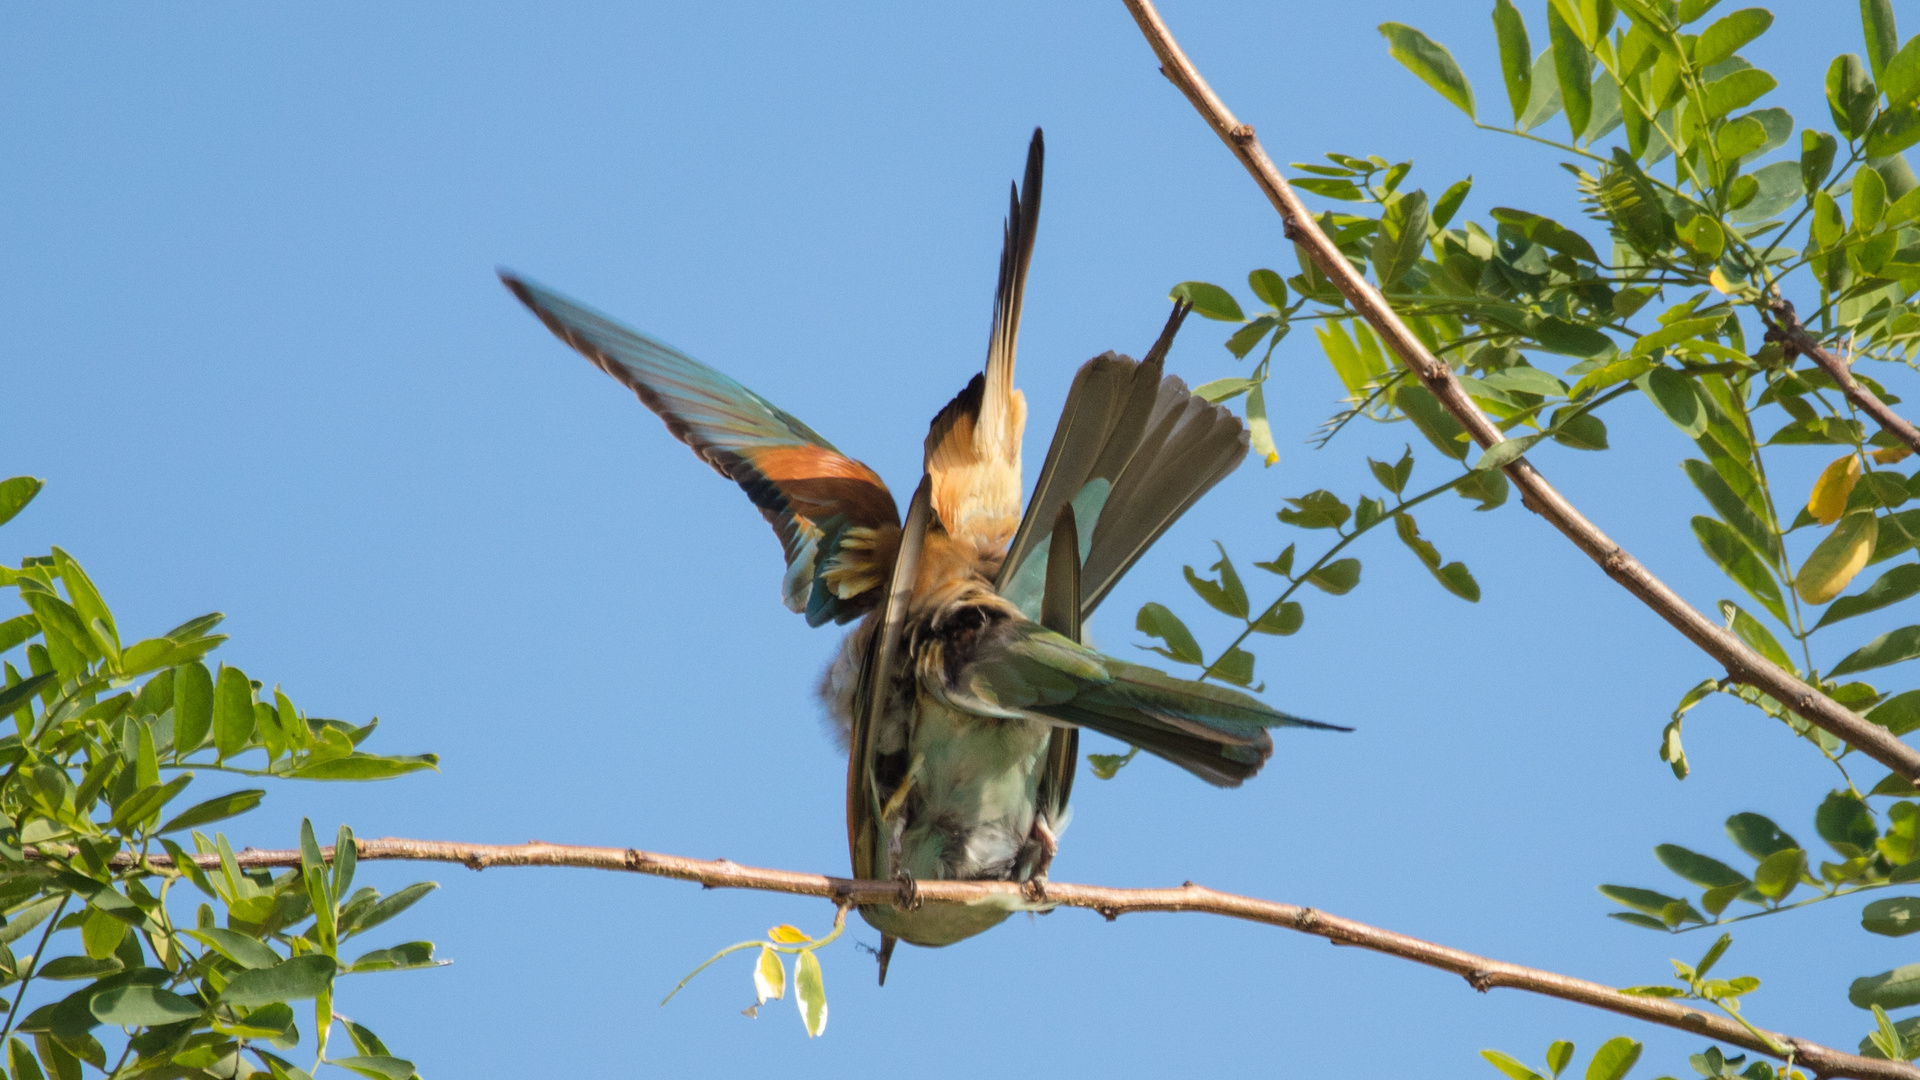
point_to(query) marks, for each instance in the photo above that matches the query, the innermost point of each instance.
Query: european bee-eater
(963, 690)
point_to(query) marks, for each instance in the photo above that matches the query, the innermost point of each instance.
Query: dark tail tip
(887, 942)
(1158, 354)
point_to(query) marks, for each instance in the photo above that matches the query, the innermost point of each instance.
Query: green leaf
(1729, 34)
(390, 906)
(1779, 872)
(1735, 512)
(1559, 1053)
(135, 1005)
(192, 707)
(1337, 577)
(1756, 635)
(1737, 91)
(1431, 62)
(1281, 621)
(1816, 157)
(1777, 187)
(1846, 824)
(1644, 900)
(1673, 394)
(1892, 587)
(233, 716)
(1701, 870)
(1851, 96)
(1210, 301)
(1580, 430)
(1449, 202)
(1896, 916)
(1737, 560)
(417, 954)
(250, 954)
(810, 993)
(289, 980)
(1840, 555)
(1738, 138)
(1245, 338)
(376, 1066)
(215, 809)
(1613, 1059)
(1220, 390)
(1891, 647)
(1227, 596)
(1282, 563)
(12, 697)
(1154, 620)
(1509, 1066)
(1876, 19)
(1900, 78)
(1573, 68)
(1269, 287)
(1894, 131)
(1899, 714)
(1320, 509)
(1894, 989)
(1234, 666)
(1516, 56)
(1438, 425)
(15, 493)
(366, 767)
(1828, 224)
(1402, 237)
(1545, 101)
(1869, 200)
(1758, 836)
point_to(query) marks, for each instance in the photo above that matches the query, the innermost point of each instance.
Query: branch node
(1480, 979)
(634, 861)
(1241, 133)
(1111, 914)
(1306, 920)
(475, 861)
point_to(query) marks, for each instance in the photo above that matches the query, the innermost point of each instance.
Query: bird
(961, 692)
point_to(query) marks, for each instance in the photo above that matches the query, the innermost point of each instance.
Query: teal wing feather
(835, 519)
(1018, 668)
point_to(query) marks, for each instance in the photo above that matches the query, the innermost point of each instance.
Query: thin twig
(1743, 664)
(1481, 973)
(1785, 328)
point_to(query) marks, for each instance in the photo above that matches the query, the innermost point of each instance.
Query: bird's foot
(911, 901)
(1035, 887)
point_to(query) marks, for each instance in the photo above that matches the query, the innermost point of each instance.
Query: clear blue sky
(251, 337)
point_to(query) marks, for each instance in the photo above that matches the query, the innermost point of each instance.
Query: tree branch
(1743, 664)
(1482, 973)
(1785, 328)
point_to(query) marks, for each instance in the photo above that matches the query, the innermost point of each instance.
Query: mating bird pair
(963, 690)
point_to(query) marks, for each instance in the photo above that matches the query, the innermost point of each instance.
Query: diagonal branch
(1785, 328)
(1482, 973)
(1743, 664)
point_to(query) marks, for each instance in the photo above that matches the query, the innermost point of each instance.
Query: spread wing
(1132, 452)
(836, 520)
(1019, 668)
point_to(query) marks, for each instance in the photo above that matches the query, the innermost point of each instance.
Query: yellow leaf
(1840, 556)
(1890, 455)
(1719, 281)
(1829, 498)
(787, 934)
(769, 978)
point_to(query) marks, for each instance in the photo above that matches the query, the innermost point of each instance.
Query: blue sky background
(251, 337)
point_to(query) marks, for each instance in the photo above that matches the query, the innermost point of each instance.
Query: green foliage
(107, 736)
(1706, 214)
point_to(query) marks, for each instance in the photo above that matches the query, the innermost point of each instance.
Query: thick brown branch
(1481, 973)
(1743, 664)
(1787, 330)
